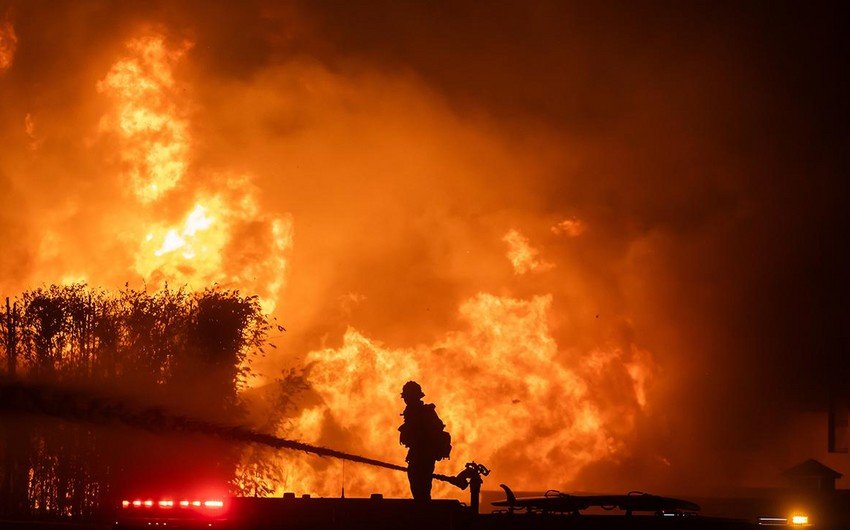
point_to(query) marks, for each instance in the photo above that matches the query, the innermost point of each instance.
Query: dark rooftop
(811, 468)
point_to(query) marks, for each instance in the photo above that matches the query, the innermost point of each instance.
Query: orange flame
(509, 395)
(506, 392)
(147, 117)
(536, 411)
(209, 245)
(522, 255)
(205, 247)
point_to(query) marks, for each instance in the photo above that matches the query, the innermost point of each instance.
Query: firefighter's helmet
(412, 389)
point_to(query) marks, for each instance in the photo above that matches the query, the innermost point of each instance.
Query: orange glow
(147, 119)
(800, 519)
(153, 128)
(591, 233)
(125, 504)
(193, 251)
(148, 503)
(8, 44)
(522, 255)
(518, 386)
(137, 503)
(213, 504)
(196, 503)
(184, 504)
(571, 227)
(516, 401)
(166, 504)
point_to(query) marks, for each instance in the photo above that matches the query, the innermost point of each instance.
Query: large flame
(506, 392)
(537, 411)
(148, 116)
(443, 175)
(224, 237)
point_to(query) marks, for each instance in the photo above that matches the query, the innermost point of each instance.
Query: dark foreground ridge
(377, 513)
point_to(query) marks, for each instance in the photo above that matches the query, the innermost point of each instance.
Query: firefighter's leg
(411, 477)
(419, 474)
(427, 471)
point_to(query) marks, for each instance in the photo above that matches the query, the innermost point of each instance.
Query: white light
(800, 519)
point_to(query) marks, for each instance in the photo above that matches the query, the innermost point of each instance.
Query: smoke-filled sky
(620, 227)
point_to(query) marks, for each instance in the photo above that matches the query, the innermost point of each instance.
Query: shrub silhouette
(184, 351)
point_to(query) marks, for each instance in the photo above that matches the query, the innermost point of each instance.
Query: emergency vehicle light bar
(168, 503)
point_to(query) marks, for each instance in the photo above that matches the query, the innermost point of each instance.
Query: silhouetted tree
(177, 349)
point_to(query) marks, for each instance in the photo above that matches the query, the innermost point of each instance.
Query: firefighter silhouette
(423, 434)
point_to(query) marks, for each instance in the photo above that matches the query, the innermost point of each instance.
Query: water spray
(77, 405)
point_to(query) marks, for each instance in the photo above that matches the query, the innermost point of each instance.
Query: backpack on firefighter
(443, 445)
(424, 432)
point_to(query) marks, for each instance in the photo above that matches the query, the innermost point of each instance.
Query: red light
(196, 503)
(184, 504)
(137, 503)
(125, 504)
(166, 504)
(148, 503)
(214, 504)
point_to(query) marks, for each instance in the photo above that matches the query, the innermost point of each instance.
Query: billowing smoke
(590, 232)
